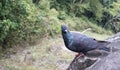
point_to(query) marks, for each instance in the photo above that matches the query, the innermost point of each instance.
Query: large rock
(110, 62)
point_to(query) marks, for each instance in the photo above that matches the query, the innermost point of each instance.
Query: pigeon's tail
(105, 49)
(109, 49)
(103, 45)
(101, 52)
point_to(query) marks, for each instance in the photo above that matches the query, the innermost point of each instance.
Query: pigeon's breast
(76, 45)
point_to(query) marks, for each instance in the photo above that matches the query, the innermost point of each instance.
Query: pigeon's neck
(67, 38)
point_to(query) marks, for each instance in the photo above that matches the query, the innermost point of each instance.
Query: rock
(114, 38)
(80, 63)
(110, 62)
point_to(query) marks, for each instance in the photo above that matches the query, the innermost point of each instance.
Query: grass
(47, 55)
(96, 35)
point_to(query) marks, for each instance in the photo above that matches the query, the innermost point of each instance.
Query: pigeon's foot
(79, 55)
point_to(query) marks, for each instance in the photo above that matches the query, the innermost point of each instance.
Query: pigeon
(82, 44)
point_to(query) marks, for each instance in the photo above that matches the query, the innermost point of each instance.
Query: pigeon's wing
(88, 43)
(103, 45)
(83, 42)
(101, 50)
(97, 53)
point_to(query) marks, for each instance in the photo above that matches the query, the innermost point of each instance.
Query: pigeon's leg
(80, 54)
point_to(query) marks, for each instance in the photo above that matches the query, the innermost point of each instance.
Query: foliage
(62, 15)
(111, 12)
(11, 15)
(97, 11)
(6, 26)
(35, 1)
(28, 20)
(96, 8)
(25, 21)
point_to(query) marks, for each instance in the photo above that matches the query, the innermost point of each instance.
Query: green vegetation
(28, 20)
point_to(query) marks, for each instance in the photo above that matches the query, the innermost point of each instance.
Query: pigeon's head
(64, 29)
(65, 34)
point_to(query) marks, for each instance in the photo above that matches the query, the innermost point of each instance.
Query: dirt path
(50, 54)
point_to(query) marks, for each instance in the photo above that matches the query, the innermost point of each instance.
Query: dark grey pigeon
(77, 42)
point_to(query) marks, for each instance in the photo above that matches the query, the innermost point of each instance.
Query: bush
(22, 20)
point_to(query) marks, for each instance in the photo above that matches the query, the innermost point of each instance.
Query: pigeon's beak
(66, 30)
